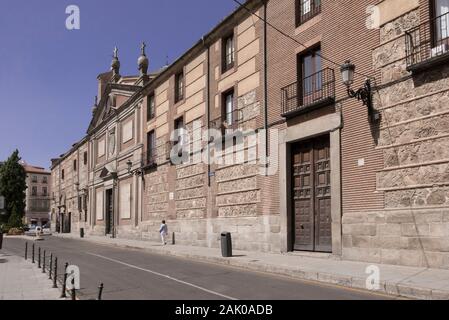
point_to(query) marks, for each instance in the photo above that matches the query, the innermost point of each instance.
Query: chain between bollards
(26, 250)
(100, 291)
(32, 254)
(64, 288)
(45, 257)
(51, 265)
(55, 273)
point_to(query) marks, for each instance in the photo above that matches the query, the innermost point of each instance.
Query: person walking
(163, 230)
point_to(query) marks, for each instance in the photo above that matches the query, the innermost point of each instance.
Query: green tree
(13, 187)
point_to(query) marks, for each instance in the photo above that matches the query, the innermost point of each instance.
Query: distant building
(38, 194)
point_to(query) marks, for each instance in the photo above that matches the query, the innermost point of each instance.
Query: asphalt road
(130, 274)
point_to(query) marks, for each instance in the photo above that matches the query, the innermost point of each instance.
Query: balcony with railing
(312, 92)
(229, 121)
(151, 158)
(427, 44)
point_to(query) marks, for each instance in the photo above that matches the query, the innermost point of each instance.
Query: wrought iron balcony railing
(428, 43)
(229, 121)
(151, 158)
(312, 92)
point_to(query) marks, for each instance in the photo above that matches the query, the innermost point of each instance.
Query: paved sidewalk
(411, 282)
(21, 280)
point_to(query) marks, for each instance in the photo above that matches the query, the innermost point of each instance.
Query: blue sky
(48, 73)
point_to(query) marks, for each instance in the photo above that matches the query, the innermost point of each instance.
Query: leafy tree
(13, 187)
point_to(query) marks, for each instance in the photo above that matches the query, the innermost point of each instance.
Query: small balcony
(427, 45)
(229, 121)
(315, 91)
(151, 158)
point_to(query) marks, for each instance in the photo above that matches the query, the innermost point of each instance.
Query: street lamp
(364, 94)
(136, 172)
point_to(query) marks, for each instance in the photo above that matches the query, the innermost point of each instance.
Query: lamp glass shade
(130, 165)
(347, 73)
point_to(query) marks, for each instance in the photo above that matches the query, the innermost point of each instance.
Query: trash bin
(226, 244)
(81, 232)
(1, 239)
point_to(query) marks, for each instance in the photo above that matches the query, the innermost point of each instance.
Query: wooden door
(311, 195)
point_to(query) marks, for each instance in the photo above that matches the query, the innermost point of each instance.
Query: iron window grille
(306, 10)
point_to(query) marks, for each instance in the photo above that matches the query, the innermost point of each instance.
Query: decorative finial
(115, 65)
(143, 61)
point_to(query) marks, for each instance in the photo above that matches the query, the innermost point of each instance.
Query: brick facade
(388, 179)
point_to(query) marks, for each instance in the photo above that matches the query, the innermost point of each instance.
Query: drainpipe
(208, 107)
(265, 65)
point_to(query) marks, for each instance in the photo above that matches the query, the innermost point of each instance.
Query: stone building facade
(322, 172)
(38, 195)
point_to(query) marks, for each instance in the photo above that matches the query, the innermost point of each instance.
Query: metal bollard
(26, 250)
(55, 273)
(39, 258)
(51, 265)
(43, 264)
(64, 288)
(173, 239)
(32, 259)
(100, 291)
(73, 289)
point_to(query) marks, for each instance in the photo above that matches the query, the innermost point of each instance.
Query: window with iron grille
(151, 107)
(228, 54)
(306, 10)
(179, 87)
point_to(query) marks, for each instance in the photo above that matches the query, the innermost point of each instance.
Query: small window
(85, 158)
(34, 179)
(228, 55)
(179, 89)
(179, 126)
(62, 174)
(229, 115)
(151, 107)
(44, 179)
(44, 191)
(306, 10)
(74, 165)
(34, 191)
(151, 147)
